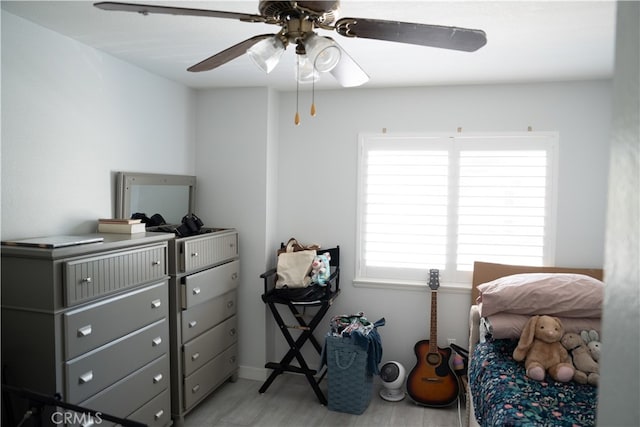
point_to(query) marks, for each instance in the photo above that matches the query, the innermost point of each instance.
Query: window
(444, 201)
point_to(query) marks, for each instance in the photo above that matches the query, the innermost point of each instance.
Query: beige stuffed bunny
(541, 350)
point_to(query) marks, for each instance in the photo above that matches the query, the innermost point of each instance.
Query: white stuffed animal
(592, 338)
(320, 269)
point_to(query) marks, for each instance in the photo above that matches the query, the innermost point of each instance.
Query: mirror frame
(125, 181)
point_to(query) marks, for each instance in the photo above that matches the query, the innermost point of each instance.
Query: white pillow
(509, 325)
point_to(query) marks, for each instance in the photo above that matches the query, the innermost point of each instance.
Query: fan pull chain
(313, 94)
(296, 119)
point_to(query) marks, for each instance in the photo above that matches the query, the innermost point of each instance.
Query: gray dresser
(204, 272)
(91, 323)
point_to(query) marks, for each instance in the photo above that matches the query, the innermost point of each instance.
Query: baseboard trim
(252, 373)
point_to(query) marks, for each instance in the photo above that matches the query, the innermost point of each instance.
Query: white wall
(236, 188)
(620, 363)
(317, 184)
(71, 116)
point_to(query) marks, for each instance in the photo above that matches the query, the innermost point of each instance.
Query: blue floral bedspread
(504, 396)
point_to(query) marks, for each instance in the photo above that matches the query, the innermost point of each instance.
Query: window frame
(460, 280)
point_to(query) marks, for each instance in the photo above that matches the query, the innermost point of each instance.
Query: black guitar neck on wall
(432, 382)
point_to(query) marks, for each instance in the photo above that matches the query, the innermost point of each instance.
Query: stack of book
(121, 225)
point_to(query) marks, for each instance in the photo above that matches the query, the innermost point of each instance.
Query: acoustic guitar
(432, 382)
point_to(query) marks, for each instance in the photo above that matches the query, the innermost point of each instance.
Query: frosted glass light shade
(266, 53)
(322, 52)
(305, 73)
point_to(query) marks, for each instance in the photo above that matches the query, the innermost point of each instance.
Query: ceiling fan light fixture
(305, 72)
(266, 53)
(322, 51)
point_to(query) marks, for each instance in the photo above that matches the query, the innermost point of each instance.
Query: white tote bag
(293, 268)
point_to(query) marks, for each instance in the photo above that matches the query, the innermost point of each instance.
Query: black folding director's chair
(298, 300)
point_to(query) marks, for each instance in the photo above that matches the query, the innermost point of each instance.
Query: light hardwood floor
(290, 402)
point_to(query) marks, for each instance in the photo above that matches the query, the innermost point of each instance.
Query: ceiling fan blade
(455, 38)
(146, 9)
(227, 55)
(348, 73)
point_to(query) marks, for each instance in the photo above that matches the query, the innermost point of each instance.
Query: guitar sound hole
(433, 358)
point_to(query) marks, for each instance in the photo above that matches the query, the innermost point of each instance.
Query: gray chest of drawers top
(56, 279)
(196, 253)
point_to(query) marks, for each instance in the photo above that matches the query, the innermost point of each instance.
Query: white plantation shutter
(406, 208)
(502, 207)
(446, 201)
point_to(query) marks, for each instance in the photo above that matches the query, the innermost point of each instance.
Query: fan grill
(324, 11)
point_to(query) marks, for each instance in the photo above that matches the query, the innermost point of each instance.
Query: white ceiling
(527, 41)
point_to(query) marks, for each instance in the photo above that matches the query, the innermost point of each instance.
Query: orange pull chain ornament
(296, 119)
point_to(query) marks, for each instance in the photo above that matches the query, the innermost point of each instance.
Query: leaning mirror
(172, 196)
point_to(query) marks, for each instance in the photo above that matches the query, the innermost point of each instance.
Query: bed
(498, 391)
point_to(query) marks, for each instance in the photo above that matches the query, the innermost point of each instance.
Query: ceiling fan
(298, 21)
(315, 54)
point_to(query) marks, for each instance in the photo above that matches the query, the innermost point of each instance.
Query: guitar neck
(433, 338)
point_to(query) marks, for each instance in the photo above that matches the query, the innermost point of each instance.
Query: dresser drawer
(89, 278)
(92, 372)
(155, 413)
(210, 249)
(201, 317)
(200, 350)
(210, 283)
(91, 326)
(144, 385)
(205, 379)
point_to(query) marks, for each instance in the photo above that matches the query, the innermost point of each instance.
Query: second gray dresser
(204, 274)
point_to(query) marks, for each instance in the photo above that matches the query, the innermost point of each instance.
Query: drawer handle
(195, 388)
(193, 324)
(156, 303)
(234, 276)
(86, 280)
(230, 304)
(154, 263)
(195, 356)
(232, 332)
(84, 331)
(86, 377)
(196, 291)
(195, 254)
(157, 378)
(158, 415)
(156, 341)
